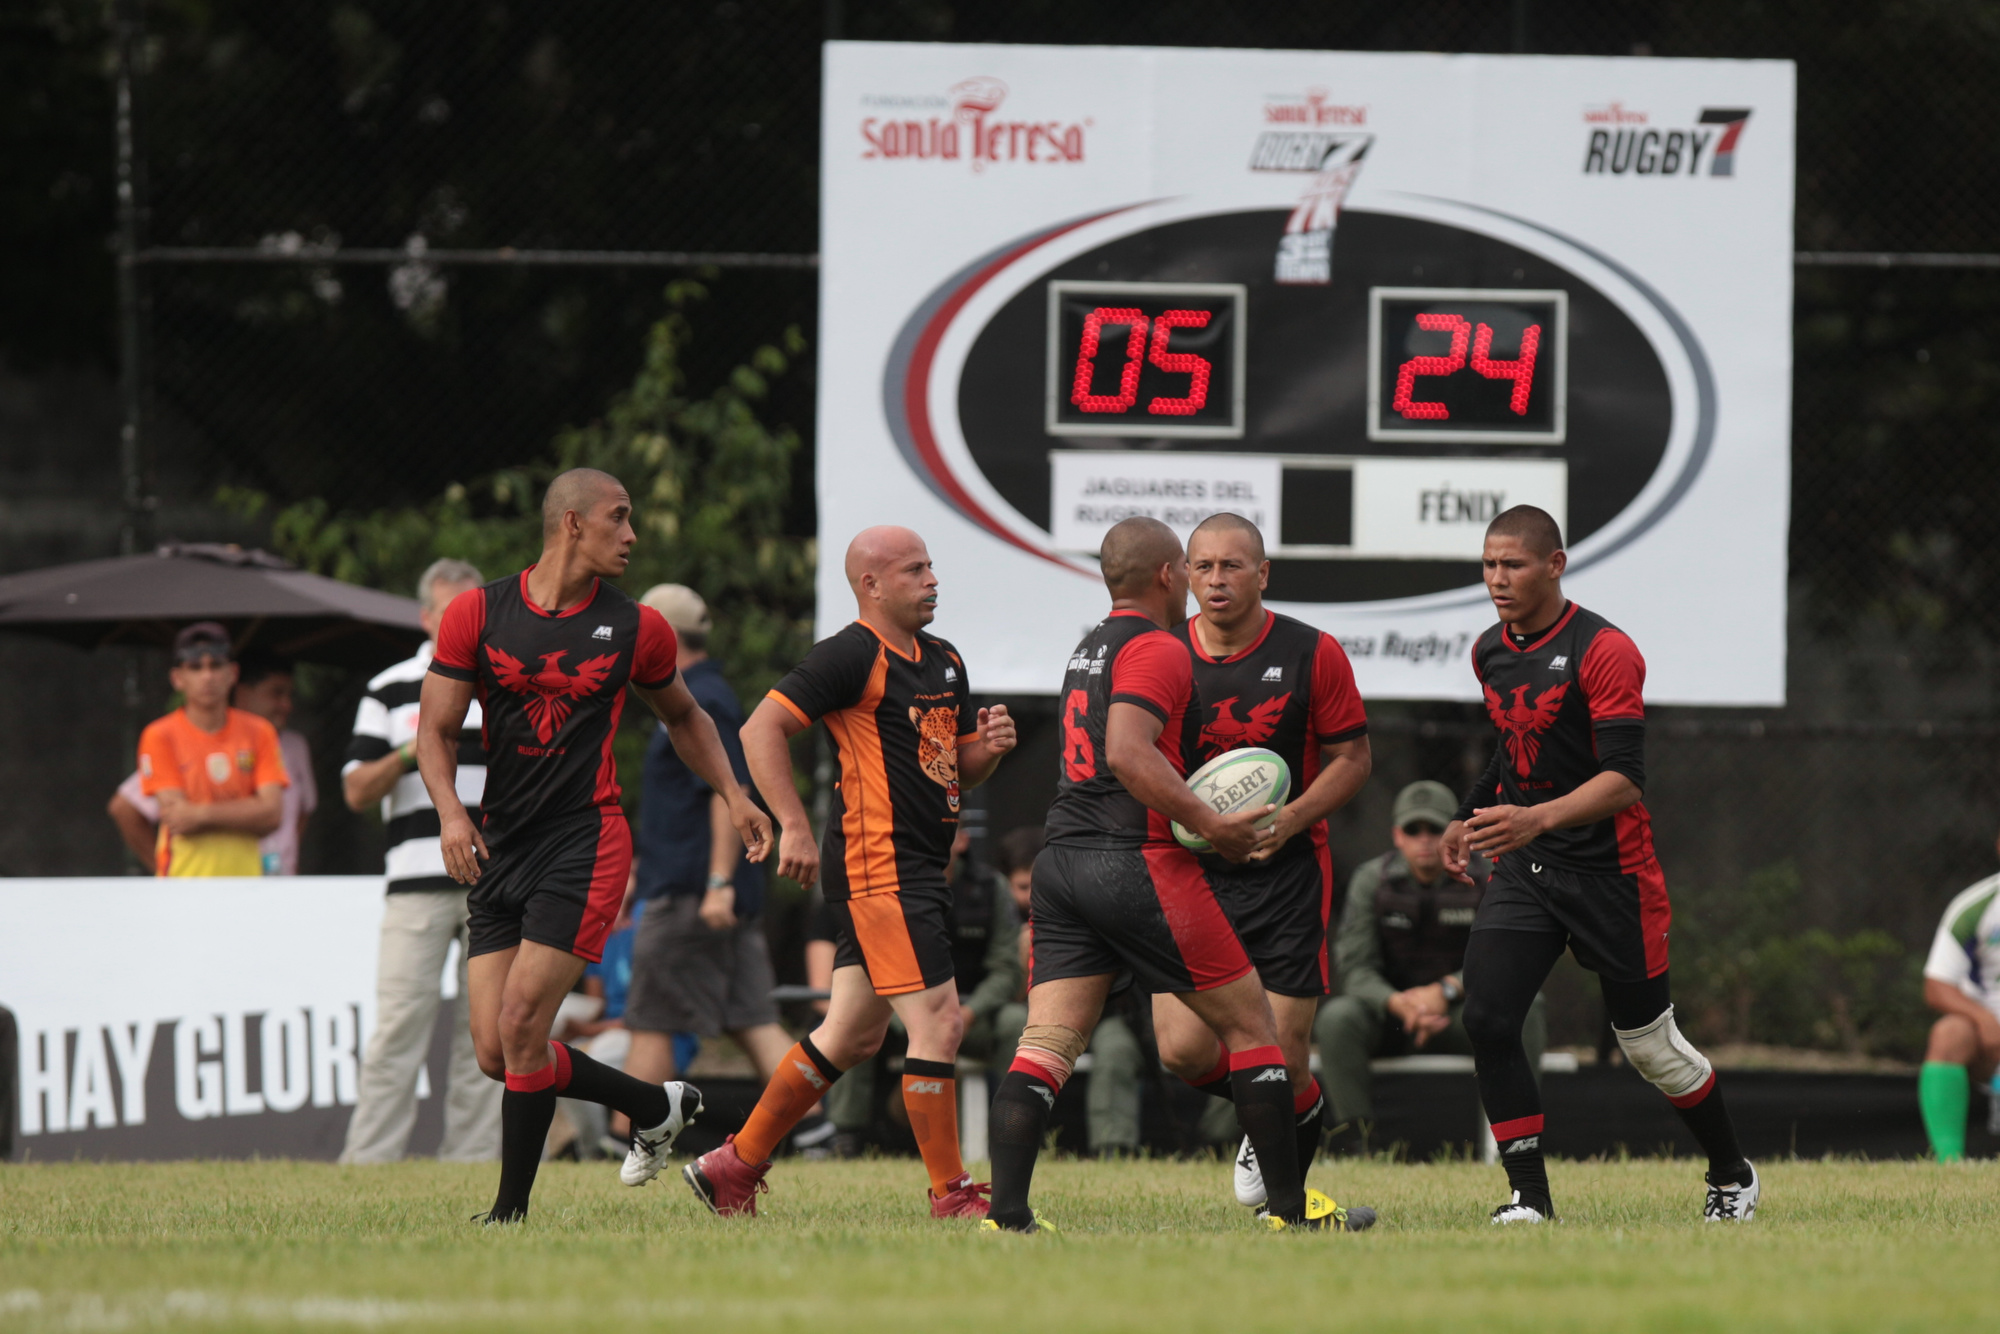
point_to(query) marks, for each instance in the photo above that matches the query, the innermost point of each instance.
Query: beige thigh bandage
(1059, 1040)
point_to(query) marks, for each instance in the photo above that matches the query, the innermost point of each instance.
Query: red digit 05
(1406, 377)
(1086, 360)
(1197, 368)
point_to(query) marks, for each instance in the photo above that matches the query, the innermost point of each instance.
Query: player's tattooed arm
(440, 715)
(1498, 829)
(1344, 772)
(979, 755)
(767, 750)
(700, 747)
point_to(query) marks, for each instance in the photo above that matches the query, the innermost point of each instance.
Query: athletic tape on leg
(1668, 1061)
(1058, 1040)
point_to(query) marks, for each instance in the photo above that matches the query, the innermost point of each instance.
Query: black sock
(1307, 1127)
(580, 1076)
(1014, 1129)
(525, 1115)
(1708, 1121)
(1521, 1154)
(1216, 1082)
(1264, 1106)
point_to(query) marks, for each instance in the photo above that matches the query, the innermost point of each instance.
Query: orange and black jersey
(1125, 659)
(1291, 691)
(1569, 705)
(896, 722)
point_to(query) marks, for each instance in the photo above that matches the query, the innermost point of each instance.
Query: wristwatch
(719, 881)
(1453, 992)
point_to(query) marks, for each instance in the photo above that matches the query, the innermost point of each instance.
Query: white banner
(188, 1018)
(1370, 297)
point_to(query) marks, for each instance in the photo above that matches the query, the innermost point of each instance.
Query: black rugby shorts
(557, 883)
(1280, 911)
(1616, 925)
(1150, 910)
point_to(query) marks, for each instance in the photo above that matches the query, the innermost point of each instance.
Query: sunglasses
(1418, 828)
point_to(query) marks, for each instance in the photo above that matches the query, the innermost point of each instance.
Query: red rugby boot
(965, 1199)
(725, 1183)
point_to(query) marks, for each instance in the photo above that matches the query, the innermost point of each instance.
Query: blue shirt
(673, 807)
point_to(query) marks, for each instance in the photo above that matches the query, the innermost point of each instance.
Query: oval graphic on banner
(1372, 416)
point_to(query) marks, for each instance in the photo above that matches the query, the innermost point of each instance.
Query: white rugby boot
(1516, 1212)
(651, 1146)
(1731, 1203)
(1248, 1178)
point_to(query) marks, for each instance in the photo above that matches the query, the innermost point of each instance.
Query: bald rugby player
(1114, 892)
(896, 702)
(1268, 680)
(1559, 810)
(550, 653)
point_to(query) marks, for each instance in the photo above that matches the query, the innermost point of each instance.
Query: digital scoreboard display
(1160, 359)
(1367, 301)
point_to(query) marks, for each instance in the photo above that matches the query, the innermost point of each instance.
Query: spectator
(217, 772)
(264, 687)
(1400, 948)
(1117, 1061)
(424, 912)
(1962, 983)
(985, 931)
(700, 963)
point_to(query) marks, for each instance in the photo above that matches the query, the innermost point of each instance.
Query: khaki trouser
(418, 927)
(1351, 1032)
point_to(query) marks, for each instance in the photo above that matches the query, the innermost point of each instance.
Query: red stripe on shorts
(608, 877)
(1208, 945)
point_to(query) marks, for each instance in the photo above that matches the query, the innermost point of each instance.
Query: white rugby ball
(1239, 780)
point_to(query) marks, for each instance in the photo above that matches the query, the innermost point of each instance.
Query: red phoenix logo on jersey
(1522, 724)
(1228, 732)
(550, 690)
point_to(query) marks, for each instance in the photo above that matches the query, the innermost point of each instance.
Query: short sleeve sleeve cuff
(1153, 672)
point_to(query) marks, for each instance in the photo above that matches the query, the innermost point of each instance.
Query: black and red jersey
(1569, 705)
(1291, 691)
(1126, 659)
(896, 723)
(551, 689)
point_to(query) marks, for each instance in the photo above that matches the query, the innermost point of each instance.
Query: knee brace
(1059, 1041)
(1668, 1061)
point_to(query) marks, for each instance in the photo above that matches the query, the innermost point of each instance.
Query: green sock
(1944, 1093)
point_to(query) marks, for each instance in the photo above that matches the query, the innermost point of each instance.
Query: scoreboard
(1367, 301)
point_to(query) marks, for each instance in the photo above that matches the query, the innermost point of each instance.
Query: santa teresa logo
(974, 130)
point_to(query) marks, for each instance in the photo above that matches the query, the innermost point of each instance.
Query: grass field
(1154, 1246)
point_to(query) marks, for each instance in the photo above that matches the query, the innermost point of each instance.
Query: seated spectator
(1962, 983)
(217, 772)
(1401, 944)
(264, 686)
(700, 963)
(1117, 1061)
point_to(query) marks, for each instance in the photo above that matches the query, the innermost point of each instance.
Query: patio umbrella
(266, 602)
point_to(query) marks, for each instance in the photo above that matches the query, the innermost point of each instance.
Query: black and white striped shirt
(386, 720)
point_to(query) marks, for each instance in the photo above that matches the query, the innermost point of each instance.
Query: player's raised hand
(752, 826)
(464, 848)
(996, 728)
(798, 855)
(1236, 837)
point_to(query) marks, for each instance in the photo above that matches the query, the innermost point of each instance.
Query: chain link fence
(388, 247)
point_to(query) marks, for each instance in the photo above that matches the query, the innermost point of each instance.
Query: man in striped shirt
(425, 911)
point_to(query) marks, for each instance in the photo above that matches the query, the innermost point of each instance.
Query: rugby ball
(1238, 781)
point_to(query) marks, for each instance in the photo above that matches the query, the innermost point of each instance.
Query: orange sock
(802, 1079)
(930, 1095)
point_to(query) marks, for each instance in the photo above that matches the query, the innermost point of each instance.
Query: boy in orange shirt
(216, 771)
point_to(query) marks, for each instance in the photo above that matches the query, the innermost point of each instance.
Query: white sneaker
(1731, 1204)
(651, 1146)
(1516, 1212)
(1248, 1178)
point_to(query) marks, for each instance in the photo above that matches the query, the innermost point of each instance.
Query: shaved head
(1535, 529)
(1230, 523)
(1133, 552)
(579, 489)
(874, 550)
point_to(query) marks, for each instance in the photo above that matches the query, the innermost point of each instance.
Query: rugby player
(550, 652)
(1114, 891)
(1268, 680)
(1559, 809)
(896, 702)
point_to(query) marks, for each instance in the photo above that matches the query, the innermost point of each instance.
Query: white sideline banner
(1366, 296)
(189, 1018)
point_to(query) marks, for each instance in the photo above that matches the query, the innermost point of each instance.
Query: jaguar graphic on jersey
(1521, 724)
(937, 747)
(549, 690)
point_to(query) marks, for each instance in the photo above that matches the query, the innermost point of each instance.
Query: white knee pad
(1667, 1060)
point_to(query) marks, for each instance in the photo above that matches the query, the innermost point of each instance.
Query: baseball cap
(1430, 802)
(681, 605)
(203, 639)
